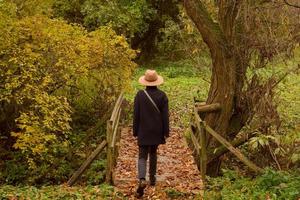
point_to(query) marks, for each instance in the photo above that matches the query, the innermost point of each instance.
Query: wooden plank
(116, 107)
(86, 163)
(117, 141)
(203, 153)
(118, 137)
(195, 143)
(115, 129)
(117, 145)
(114, 150)
(233, 150)
(109, 157)
(217, 152)
(208, 107)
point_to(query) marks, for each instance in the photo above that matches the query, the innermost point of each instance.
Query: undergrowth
(275, 185)
(56, 192)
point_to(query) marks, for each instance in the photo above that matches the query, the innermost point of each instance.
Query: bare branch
(294, 70)
(289, 4)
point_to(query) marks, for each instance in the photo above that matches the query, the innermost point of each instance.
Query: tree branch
(294, 70)
(228, 11)
(210, 30)
(289, 4)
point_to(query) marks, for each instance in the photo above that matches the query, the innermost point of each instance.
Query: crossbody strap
(154, 104)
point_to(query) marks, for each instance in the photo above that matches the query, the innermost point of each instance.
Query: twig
(274, 157)
(285, 75)
(289, 4)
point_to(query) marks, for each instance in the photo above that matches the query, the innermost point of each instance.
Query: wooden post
(195, 143)
(115, 128)
(117, 145)
(85, 165)
(109, 159)
(203, 153)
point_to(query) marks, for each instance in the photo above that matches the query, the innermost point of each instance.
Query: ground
(177, 173)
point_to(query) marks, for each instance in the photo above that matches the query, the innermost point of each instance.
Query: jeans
(142, 161)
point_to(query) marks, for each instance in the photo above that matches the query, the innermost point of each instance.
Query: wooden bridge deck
(177, 172)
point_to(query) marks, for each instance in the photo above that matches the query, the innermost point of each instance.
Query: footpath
(177, 173)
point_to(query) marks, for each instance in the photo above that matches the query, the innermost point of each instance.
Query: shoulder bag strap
(154, 104)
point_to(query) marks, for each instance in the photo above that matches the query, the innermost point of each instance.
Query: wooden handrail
(208, 107)
(233, 150)
(117, 107)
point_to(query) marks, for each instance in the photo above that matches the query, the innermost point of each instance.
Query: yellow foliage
(48, 67)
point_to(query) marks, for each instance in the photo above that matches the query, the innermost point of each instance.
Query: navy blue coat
(149, 126)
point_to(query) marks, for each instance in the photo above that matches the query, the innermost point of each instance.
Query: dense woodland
(63, 64)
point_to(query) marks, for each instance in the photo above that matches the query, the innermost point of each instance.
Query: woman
(150, 125)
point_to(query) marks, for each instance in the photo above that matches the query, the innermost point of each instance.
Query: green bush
(125, 17)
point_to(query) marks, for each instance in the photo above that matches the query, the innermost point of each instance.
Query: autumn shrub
(53, 76)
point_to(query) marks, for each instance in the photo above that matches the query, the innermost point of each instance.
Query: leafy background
(62, 66)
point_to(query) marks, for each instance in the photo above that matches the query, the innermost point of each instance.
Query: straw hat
(151, 78)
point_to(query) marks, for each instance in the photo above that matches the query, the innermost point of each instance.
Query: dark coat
(150, 126)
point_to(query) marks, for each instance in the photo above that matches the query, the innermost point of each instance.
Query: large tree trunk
(226, 83)
(221, 91)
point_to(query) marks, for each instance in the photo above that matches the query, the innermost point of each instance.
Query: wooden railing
(113, 135)
(199, 139)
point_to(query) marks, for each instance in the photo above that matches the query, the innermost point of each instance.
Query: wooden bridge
(176, 166)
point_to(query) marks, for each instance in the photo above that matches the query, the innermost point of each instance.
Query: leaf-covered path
(177, 173)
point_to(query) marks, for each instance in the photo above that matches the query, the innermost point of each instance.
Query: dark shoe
(141, 187)
(152, 180)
